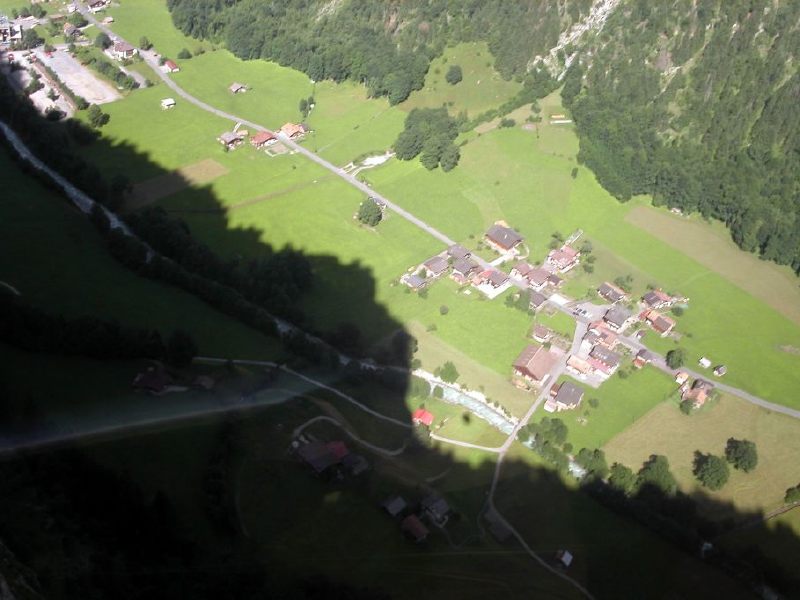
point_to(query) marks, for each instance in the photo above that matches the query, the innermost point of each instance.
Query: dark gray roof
(436, 505)
(317, 455)
(610, 292)
(464, 266)
(497, 278)
(569, 394)
(617, 315)
(437, 264)
(604, 355)
(458, 251)
(537, 299)
(415, 281)
(394, 505)
(504, 236)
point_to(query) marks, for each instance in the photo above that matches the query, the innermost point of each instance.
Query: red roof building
(262, 138)
(338, 449)
(425, 417)
(171, 66)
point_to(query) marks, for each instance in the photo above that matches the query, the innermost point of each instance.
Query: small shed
(394, 505)
(167, 103)
(236, 88)
(564, 557)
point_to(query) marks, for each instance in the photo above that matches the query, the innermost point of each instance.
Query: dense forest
(693, 101)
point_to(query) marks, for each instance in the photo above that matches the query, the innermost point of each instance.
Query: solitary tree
(102, 41)
(144, 43)
(454, 75)
(676, 358)
(711, 471)
(448, 372)
(741, 454)
(792, 495)
(369, 213)
(303, 106)
(184, 54)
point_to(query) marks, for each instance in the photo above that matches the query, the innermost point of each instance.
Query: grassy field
(665, 430)
(481, 89)
(778, 540)
(150, 18)
(622, 402)
(525, 178)
(81, 278)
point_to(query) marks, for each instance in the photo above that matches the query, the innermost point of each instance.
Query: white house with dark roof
(502, 238)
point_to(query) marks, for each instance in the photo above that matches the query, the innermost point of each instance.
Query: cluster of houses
(433, 509)
(156, 381)
(651, 307)
(261, 139)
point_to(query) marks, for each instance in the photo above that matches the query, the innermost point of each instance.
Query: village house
(618, 318)
(655, 299)
(294, 130)
(167, 103)
(236, 87)
(70, 30)
(493, 278)
(533, 366)
(681, 377)
(599, 333)
(563, 259)
(642, 358)
(422, 417)
(542, 334)
(232, 139)
(436, 509)
(566, 396)
(414, 281)
(96, 6)
(537, 300)
(394, 506)
(155, 381)
(170, 66)
(9, 32)
(663, 325)
(502, 238)
(579, 366)
(321, 456)
(698, 393)
(263, 138)
(554, 280)
(612, 293)
(604, 361)
(539, 278)
(436, 266)
(124, 51)
(521, 270)
(720, 370)
(464, 269)
(458, 252)
(414, 528)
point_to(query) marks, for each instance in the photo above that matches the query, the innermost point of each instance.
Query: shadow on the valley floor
(227, 508)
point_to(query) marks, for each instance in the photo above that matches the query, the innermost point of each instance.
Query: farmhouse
(436, 266)
(542, 334)
(414, 281)
(236, 88)
(643, 357)
(464, 269)
(232, 139)
(294, 130)
(124, 51)
(566, 396)
(422, 417)
(437, 509)
(538, 278)
(70, 30)
(604, 361)
(415, 528)
(522, 269)
(533, 366)
(155, 381)
(618, 318)
(537, 300)
(663, 325)
(263, 138)
(394, 505)
(554, 280)
(660, 299)
(167, 103)
(612, 293)
(458, 252)
(170, 66)
(698, 393)
(563, 259)
(97, 5)
(503, 239)
(318, 455)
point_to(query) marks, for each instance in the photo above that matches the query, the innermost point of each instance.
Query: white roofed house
(167, 103)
